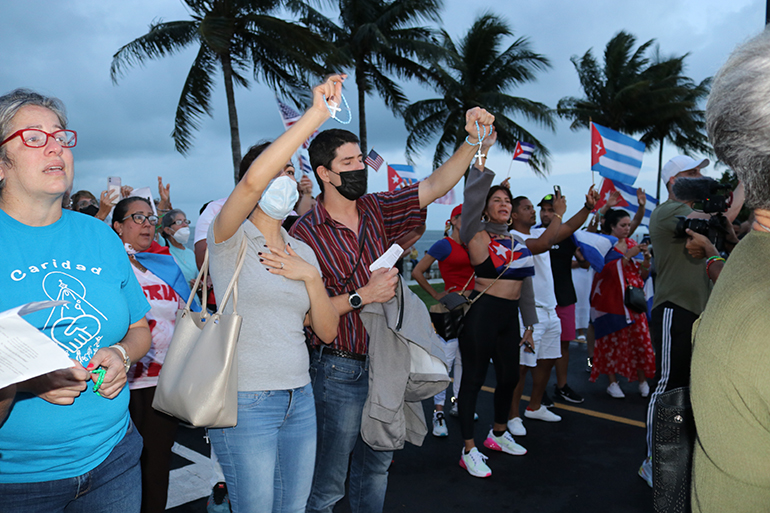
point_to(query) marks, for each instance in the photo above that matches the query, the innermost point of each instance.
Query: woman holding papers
(68, 440)
(268, 458)
(622, 336)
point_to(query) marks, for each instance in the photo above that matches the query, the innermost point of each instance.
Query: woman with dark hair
(457, 273)
(491, 326)
(626, 351)
(67, 443)
(166, 289)
(268, 458)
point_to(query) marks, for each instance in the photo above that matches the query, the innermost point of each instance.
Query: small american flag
(374, 160)
(290, 116)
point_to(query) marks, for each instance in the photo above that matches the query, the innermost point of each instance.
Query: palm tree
(379, 39)
(638, 95)
(478, 72)
(236, 36)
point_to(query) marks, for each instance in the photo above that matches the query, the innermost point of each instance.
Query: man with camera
(682, 286)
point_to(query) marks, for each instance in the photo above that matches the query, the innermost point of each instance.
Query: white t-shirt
(542, 281)
(206, 218)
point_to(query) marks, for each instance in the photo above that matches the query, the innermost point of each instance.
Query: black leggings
(491, 330)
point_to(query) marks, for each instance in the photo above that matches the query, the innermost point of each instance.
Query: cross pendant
(334, 108)
(479, 156)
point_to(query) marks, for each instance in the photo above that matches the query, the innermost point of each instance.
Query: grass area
(426, 298)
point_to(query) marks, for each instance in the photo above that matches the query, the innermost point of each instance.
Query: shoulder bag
(673, 433)
(199, 379)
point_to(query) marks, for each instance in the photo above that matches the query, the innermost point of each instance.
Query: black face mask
(90, 210)
(353, 183)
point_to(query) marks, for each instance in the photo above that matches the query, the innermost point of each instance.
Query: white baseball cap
(681, 163)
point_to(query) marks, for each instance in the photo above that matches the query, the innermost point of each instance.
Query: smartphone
(645, 240)
(557, 190)
(113, 184)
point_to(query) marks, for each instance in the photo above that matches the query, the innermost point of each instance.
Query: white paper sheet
(26, 353)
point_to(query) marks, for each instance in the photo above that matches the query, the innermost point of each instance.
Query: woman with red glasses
(68, 440)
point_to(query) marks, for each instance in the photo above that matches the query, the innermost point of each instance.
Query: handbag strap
(465, 287)
(232, 287)
(202, 278)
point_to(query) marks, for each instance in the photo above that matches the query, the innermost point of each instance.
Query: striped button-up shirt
(384, 217)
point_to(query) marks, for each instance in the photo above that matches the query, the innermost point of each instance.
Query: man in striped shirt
(348, 230)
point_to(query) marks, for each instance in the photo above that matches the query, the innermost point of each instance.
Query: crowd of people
(307, 293)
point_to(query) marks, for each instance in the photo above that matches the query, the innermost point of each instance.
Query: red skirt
(625, 351)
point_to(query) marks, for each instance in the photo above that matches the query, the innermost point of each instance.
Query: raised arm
(575, 222)
(641, 198)
(246, 194)
(476, 189)
(447, 176)
(549, 236)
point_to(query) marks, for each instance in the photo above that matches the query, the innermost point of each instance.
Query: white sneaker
(516, 427)
(439, 424)
(504, 443)
(453, 411)
(474, 463)
(644, 389)
(542, 413)
(615, 391)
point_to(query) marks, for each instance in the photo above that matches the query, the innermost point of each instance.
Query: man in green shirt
(682, 288)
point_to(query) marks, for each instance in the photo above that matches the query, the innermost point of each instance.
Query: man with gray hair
(730, 382)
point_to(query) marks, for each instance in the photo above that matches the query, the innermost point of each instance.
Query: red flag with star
(597, 146)
(394, 179)
(608, 187)
(501, 254)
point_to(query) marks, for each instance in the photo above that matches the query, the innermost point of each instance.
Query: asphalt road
(585, 463)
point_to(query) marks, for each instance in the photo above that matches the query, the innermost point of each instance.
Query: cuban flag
(400, 175)
(290, 116)
(614, 155)
(608, 311)
(595, 247)
(159, 261)
(523, 151)
(374, 160)
(500, 253)
(628, 200)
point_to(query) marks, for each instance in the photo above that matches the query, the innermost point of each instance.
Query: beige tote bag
(199, 379)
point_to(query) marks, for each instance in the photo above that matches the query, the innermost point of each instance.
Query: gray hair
(11, 104)
(738, 117)
(167, 220)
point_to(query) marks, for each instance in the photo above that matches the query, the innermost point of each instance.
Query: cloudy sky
(65, 49)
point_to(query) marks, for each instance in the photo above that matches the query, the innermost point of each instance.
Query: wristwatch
(124, 353)
(529, 328)
(355, 301)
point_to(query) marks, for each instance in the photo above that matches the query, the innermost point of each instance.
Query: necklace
(136, 263)
(334, 108)
(479, 156)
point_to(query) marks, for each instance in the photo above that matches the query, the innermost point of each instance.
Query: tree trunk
(235, 138)
(660, 167)
(361, 85)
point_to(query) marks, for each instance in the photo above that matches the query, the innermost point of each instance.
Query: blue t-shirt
(81, 260)
(441, 249)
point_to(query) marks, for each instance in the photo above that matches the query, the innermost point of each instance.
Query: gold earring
(484, 218)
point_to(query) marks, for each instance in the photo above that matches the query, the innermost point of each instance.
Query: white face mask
(279, 197)
(182, 235)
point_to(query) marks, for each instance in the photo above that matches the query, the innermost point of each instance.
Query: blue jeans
(114, 486)
(268, 457)
(341, 386)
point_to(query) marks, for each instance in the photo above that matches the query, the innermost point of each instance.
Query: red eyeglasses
(36, 138)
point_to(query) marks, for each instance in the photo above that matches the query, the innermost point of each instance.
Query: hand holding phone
(113, 185)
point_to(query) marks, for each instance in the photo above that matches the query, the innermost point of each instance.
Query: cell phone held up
(113, 185)
(557, 190)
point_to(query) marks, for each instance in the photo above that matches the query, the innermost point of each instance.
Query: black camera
(709, 197)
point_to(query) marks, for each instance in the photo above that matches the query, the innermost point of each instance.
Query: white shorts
(547, 338)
